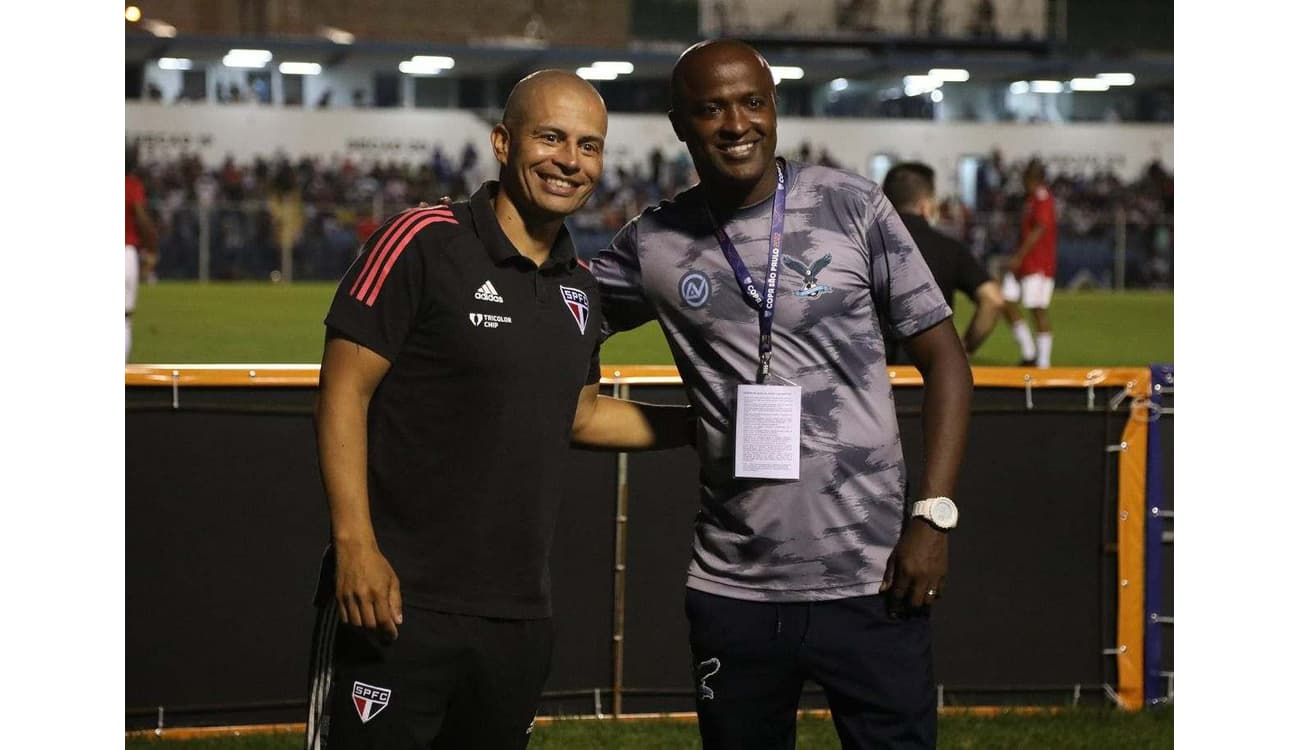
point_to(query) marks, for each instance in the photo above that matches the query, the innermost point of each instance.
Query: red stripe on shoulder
(426, 220)
(377, 249)
(381, 253)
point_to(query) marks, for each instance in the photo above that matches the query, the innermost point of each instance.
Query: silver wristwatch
(939, 511)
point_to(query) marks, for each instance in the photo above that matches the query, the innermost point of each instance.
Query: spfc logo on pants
(576, 299)
(369, 700)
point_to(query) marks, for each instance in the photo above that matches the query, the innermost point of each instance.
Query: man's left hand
(916, 571)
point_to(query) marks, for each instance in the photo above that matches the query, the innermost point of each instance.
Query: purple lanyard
(764, 303)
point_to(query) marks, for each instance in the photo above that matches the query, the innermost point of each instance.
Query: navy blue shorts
(751, 660)
(448, 682)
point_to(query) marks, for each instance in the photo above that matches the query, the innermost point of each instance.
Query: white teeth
(559, 183)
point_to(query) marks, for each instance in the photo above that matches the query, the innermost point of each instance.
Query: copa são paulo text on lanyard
(764, 303)
(767, 417)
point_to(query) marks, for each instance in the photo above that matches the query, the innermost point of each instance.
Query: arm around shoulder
(601, 422)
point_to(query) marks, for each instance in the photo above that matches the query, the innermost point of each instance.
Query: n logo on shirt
(694, 288)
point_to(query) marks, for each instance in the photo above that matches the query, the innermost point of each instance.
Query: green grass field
(264, 323)
(1071, 730)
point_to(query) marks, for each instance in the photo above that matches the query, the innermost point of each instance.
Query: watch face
(944, 514)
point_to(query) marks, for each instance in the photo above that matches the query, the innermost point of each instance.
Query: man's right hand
(367, 589)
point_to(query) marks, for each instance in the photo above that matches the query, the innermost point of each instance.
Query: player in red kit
(141, 237)
(1032, 269)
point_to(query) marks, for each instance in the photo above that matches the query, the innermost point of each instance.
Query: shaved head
(701, 56)
(536, 87)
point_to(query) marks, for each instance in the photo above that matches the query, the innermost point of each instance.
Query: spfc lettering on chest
(576, 300)
(369, 700)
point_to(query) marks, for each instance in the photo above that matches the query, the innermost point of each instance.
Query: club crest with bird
(811, 287)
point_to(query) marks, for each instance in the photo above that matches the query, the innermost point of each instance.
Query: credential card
(767, 431)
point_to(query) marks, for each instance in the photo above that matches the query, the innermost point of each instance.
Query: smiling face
(724, 110)
(551, 146)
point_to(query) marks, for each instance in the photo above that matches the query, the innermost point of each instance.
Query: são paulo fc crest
(576, 301)
(369, 700)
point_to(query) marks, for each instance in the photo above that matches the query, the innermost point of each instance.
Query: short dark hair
(907, 183)
(1036, 170)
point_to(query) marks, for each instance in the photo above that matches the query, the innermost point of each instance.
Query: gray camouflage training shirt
(846, 255)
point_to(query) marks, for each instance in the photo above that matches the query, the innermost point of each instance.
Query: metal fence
(261, 240)
(255, 240)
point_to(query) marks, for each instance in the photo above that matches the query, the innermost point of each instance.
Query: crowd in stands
(324, 208)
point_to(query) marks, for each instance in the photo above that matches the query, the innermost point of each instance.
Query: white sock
(1021, 331)
(128, 337)
(1044, 350)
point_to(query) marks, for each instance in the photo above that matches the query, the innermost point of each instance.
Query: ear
(677, 126)
(930, 208)
(500, 138)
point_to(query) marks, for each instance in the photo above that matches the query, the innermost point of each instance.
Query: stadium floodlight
(913, 85)
(936, 96)
(618, 66)
(300, 68)
(441, 62)
(246, 58)
(596, 74)
(955, 75)
(784, 72)
(1118, 79)
(413, 68)
(158, 28)
(1019, 87)
(839, 84)
(1046, 87)
(1088, 84)
(338, 36)
(132, 13)
(175, 63)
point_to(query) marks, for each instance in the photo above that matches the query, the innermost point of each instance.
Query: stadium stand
(322, 210)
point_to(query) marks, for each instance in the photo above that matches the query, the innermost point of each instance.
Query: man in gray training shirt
(826, 574)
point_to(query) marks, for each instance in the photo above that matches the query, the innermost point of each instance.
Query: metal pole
(286, 262)
(205, 242)
(620, 570)
(1121, 247)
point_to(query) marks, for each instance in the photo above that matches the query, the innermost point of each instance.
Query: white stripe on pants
(322, 680)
